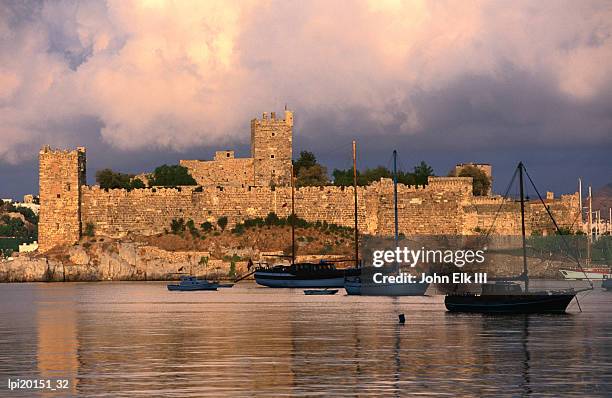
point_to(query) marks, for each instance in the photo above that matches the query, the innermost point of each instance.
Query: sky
(143, 83)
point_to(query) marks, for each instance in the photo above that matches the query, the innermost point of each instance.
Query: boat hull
(509, 304)
(320, 292)
(292, 281)
(580, 275)
(354, 288)
(178, 288)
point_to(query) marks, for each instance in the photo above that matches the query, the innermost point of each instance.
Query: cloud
(175, 75)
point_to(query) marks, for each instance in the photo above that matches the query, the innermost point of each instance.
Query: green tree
(14, 227)
(375, 174)
(315, 175)
(308, 171)
(306, 160)
(344, 178)
(109, 179)
(137, 184)
(419, 176)
(480, 181)
(171, 176)
(421, 172)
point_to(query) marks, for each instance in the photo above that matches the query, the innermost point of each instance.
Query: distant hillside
(602, 199)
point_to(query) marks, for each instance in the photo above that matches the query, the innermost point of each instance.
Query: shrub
(254, 222)
(238, 229)
(222, 222)
(232, 270)
(206, 226)
(177, 226)
(89, 229)
(192, 228)
(271, 219)
(204, 261)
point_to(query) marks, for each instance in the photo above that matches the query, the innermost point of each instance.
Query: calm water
(138, 339)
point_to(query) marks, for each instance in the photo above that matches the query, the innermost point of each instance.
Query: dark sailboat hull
(509, 304)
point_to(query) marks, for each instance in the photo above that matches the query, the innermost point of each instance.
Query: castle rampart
(241, 188)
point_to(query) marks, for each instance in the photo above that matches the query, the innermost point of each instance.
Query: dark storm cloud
(145, 83)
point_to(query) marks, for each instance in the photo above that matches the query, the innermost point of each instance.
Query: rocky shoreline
(114, 260)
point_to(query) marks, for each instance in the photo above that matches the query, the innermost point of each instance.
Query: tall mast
(598, 223)
(525, 272)
(590, 226)
(395, 197)
(355, 191)
(580, 200)
(292, 218)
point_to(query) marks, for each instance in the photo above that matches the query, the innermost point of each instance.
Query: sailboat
(363, 284)
(508, 297)
(323, 274)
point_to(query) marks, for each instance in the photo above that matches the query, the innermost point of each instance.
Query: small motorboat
(593, 273)
(607, 284)
(320, 292)
(192, 283)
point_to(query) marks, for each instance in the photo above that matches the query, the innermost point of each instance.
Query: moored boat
(356, 286)
(607, 283)
(592, 273)
(509, 297)
(192, 283)
(318, 292)
(301, 275)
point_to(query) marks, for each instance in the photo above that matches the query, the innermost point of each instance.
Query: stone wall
(118, 212)
(445, 206)
(223, 172)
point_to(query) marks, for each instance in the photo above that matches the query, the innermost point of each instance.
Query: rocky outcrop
(117, 261)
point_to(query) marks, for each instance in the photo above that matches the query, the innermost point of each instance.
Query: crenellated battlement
(241, 188)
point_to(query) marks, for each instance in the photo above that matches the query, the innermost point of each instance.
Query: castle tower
(61, 175)
(272, 149)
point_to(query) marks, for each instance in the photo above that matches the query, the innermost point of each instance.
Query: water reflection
(57, 337)
(128, 339)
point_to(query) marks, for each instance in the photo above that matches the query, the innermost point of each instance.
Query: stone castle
(241, 188)
(269, 164)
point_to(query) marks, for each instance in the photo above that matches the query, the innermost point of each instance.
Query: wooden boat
(192, 283)
(323, 274)
(509, 297)
(296, 275)
(318, 292)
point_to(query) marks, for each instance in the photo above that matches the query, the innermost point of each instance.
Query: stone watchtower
(62, 173)
(271, 149)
